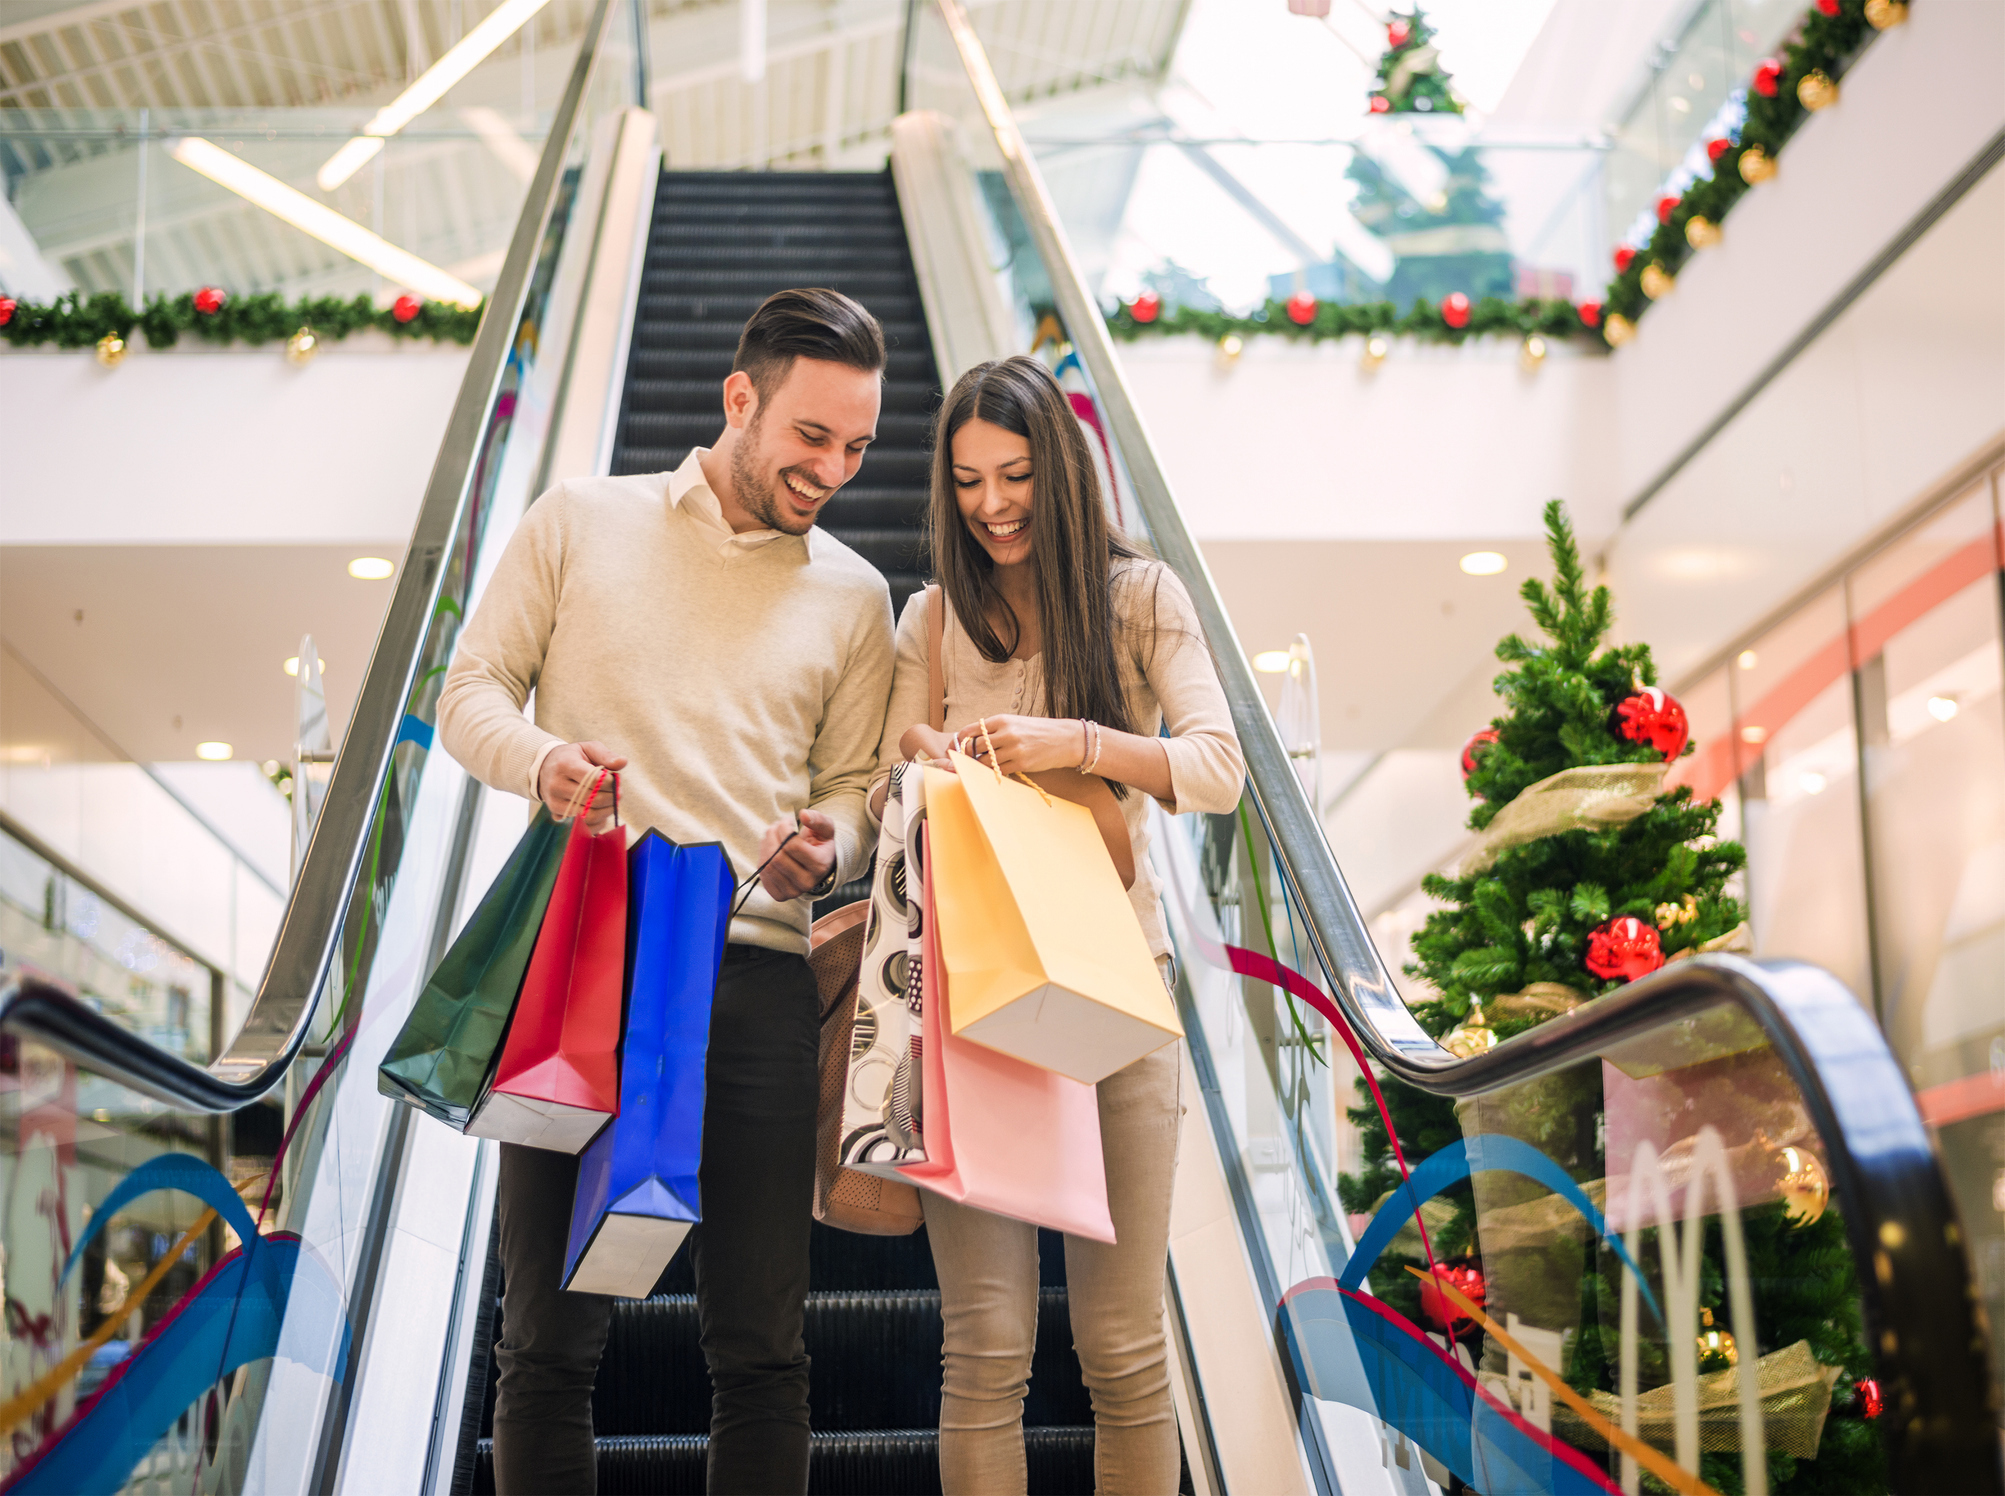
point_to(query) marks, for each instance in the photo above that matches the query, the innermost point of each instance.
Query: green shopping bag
(442, 1059)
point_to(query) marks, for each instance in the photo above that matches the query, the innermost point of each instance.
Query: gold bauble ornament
(1532, 354)
(1883, 14)
(1617, 329)
(1702, 233)
(1677, 914)
(1716, 1342)
(1376, 349)
(1756, 166)
(301, 346)
(111, 350)
(1658, 282)
(1803, 1185)
(1816, 91)
(1230, 347)
(1471, 1037)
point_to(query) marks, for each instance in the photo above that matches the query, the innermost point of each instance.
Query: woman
(1063, 648)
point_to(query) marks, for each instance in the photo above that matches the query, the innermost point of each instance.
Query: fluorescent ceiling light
(369, 568)
(1271, 661)
(495, 132)
(214, 752)
(503, 22)
(1483, 563)
(329, 227)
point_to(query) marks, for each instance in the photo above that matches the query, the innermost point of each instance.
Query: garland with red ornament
(212, 315)
(1588, 875)
(1454, 319)
(1783, 91)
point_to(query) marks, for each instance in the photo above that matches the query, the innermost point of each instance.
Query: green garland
(1826, 44)
(1491, 316)
(78, 321)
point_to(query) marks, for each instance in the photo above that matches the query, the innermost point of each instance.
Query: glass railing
(191, 1251)
(1690, 1236)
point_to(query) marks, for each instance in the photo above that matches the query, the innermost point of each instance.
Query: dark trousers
(751, 1256)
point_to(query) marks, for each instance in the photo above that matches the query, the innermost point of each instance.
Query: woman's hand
(1024, 745)
(922, 742)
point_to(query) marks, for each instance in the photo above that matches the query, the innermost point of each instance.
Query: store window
(1798, 766)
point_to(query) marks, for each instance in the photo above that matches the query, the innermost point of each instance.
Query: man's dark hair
(810, 322)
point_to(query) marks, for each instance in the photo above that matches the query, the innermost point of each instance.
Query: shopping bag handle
(989, 747)
(584, 795)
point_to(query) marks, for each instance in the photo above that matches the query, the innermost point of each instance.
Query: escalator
(334, 1332)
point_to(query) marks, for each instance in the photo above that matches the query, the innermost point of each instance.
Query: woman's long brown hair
(1071, 543)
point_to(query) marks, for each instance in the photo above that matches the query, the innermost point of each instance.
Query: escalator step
(912, 468)
(876, 1364)
(887, 1462)
(686, 359)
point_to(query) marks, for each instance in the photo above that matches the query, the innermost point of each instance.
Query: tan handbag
(844, 1198)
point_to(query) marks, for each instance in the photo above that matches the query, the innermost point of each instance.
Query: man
(696, 633)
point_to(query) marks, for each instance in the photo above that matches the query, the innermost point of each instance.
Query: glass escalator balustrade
(184, 1291)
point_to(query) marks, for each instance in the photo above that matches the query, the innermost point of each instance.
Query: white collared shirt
(690, 491)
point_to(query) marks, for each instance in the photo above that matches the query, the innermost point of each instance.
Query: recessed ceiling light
(1271, 661)
(1942, 708)
(214, 752)
(1754, 735)
(292, 666)
(1813, 783)
(1748, 659)
(370, 568)
(1484, 563)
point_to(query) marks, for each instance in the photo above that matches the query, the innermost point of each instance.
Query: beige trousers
(988, 1298)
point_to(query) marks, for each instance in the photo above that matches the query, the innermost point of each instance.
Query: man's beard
(755, 490)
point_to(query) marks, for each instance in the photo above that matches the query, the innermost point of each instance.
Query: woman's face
(992, 482)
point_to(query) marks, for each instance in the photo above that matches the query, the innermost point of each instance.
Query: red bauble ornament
(1455, 309)
(1654, 717)
(1146, 307)
(1301, 309)
(1590, 313)
(1380, 104)
(1399, 32)
(1623, 949)
(406, 307)
(209, 301)
(1436, 1306)
(1768, 77)
(1871, 1403)
(1828, 7)
(1666, 206)
(1624, 258)
(1470, 757)
(7, 305)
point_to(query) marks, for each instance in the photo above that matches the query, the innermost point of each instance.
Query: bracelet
(1085, 742)
(1098, 744)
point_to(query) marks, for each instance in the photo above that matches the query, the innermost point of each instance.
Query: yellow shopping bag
(1044, 957)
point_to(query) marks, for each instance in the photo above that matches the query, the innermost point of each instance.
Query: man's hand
(568, 771)
(803, 862)
(1025, 745)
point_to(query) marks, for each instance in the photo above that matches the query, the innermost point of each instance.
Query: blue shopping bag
(637, 1194)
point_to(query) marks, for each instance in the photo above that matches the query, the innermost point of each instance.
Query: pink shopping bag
(1004, 1135)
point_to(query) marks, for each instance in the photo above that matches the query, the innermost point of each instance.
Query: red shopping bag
(558, 1079)
(1003, 1135)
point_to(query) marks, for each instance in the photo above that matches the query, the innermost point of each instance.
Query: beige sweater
(743, 676)
(1169, 676)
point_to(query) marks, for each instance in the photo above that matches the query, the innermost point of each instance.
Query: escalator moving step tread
(883, 1462)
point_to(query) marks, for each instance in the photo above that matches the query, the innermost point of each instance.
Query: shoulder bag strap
(936, 677)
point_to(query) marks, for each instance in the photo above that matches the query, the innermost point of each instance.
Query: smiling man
(695, 632)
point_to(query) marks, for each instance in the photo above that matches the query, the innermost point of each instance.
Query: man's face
(804, 442)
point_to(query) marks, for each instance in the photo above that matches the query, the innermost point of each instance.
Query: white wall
(222, 447)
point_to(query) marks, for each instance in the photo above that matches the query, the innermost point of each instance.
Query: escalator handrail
(276, 1025)
(1900, 1222)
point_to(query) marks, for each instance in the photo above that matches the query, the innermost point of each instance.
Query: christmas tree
(1452, 237)
(1410, 79)
(1554, 908)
